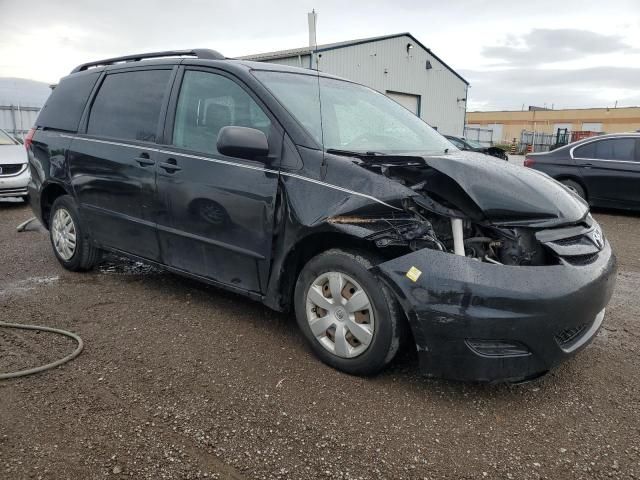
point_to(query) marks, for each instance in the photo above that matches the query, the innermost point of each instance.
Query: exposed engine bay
(502, 246)
(442, 216)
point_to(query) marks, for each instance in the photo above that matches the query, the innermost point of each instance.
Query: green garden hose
(30, 371)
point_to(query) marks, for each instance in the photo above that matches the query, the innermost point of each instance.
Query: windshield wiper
(350, 153)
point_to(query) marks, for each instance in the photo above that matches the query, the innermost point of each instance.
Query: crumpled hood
(509, 194)
(12, 154)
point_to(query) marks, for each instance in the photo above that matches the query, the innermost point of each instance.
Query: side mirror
(242, 142)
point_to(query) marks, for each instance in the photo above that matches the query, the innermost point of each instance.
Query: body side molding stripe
(234, 164)
(174, 231)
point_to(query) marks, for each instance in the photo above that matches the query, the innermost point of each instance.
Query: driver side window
(207, 103)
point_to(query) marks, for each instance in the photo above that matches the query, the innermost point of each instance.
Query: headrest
(217, 116)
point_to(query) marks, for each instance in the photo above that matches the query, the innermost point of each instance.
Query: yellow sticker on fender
(414, 274)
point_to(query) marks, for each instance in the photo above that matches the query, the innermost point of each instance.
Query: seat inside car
(217, 116)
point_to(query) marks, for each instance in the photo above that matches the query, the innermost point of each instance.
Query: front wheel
(350, 319)
(71, 243)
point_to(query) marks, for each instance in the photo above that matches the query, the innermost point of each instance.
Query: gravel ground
(180, 380)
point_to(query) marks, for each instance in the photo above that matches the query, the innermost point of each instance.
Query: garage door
(592, 127)
(407, 100)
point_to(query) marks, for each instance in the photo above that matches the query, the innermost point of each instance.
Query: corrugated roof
(293, 52)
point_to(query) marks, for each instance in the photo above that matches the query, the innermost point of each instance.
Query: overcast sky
(563, 53)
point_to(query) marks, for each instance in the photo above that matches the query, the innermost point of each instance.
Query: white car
(14, 171)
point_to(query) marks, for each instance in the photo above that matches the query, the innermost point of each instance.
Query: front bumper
(15, 185)
(481, 322)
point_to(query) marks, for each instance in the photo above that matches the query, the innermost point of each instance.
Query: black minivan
(312, 193)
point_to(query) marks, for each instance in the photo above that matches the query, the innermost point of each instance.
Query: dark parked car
(358, 216)
(604, 170)
(473, 146)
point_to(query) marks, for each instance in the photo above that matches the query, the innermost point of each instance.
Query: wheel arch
(307, 248)
(49, 194)
(303, 251)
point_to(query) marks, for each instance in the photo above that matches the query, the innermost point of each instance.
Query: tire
(84, 255)
(25, 199)
(382, 319)
(575, 187)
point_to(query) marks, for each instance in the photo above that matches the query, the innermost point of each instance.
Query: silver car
(14, 171)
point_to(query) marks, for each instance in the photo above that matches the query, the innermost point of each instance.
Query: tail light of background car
(28, 139)
(529, 161)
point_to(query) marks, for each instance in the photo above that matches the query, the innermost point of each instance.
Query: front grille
(10, 169)
(13, 192)
(567, 336)
(579, 247)
(580, 260)
(569, 241)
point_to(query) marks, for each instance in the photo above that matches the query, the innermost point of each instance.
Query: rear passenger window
(209, 102)
(128, 105)
(612, 149)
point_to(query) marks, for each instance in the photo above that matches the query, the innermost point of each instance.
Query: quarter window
(128, 105)
(207, 103)
(67, 101)
(611, 149)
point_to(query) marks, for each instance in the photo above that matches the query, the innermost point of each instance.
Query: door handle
(144, 160)
(170, 166)
(587, 165)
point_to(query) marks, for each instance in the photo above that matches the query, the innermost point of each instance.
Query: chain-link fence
(544, 142)
(537, 141)
(482, 135)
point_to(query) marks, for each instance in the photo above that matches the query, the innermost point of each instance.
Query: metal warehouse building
(397, 65)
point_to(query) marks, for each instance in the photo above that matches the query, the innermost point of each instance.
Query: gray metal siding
(301, 61)
(384, 65)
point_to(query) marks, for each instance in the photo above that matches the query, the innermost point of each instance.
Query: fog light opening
(498, 348)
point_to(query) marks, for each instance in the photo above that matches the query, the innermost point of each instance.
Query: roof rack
(201, 53)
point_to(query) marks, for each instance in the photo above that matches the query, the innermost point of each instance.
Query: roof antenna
(312, 18)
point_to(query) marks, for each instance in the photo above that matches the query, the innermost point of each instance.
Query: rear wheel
(71, 243)
(349, 318)
(575, 187)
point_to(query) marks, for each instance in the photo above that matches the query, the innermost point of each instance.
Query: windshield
(474, 144)
(5, 139)
(354, 117)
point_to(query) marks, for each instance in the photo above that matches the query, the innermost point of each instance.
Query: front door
(610, 170)
(112, 165)
(217, 213)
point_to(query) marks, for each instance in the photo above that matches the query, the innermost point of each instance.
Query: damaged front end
(481, 213)
(502, 274)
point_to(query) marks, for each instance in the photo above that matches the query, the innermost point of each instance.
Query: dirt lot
(179, 380)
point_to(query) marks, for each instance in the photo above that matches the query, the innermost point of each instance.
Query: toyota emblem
(597, 239)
